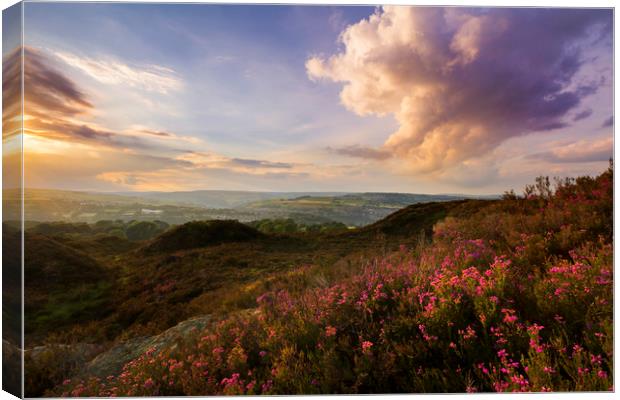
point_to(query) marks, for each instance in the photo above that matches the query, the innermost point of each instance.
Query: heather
(513, 296)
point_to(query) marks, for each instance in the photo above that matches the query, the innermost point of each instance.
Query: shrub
(500, 301)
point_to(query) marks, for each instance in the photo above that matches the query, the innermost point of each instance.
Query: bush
(500, 301)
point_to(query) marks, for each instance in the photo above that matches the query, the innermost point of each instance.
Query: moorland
(510, 294)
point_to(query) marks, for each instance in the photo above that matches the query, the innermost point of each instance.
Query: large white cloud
(462, 81)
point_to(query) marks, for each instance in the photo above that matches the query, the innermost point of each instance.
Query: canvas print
(234, 199)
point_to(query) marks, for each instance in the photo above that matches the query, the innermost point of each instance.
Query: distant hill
(356, 209)
(220, 198)
(353, 209)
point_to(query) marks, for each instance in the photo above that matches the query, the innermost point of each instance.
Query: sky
(141, 97)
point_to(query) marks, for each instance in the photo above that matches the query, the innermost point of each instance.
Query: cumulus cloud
(155, 78)
(581, 151)
(462, 81)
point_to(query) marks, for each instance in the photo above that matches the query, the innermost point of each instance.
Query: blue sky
(182, 97)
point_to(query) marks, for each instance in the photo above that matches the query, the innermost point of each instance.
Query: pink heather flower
(452, 345)
(233, 380)
(66, 381)
(502, 353)
(597, 360)
(263, 353)
(148, 383)
(602, 374)
(483, 368)
(509, 316)
(549, 370)
(468, 333)
(577, 348)
(266, 386)
(366, 345)
(535, 328)
(330, 331)
(583, 371)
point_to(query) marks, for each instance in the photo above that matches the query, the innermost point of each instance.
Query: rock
(111, 362)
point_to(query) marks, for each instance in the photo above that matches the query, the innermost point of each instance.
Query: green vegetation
(468, 295)
(354, 209)
(132, 230)
(351, 209)
(289, 225)
(203, 267)
(197, 234)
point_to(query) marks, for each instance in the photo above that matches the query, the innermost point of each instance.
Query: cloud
(361, 152)
(56, 108)
(205, 160)
(52, 101)
(582, 151)
(582, 115)
(154, 78)
(156, 133)
(47, 92)
(260, 163)
(171, 179)
(462, 81)
(197, 170)
(608, 122)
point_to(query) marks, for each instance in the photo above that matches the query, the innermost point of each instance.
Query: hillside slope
(513, 296)
(62, 285)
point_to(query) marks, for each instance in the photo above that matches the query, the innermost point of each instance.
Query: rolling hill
(198, 279)
(353, 209)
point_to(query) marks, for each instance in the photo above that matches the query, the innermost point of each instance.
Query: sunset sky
(279, 98)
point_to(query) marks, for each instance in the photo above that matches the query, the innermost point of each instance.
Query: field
(354, 209)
